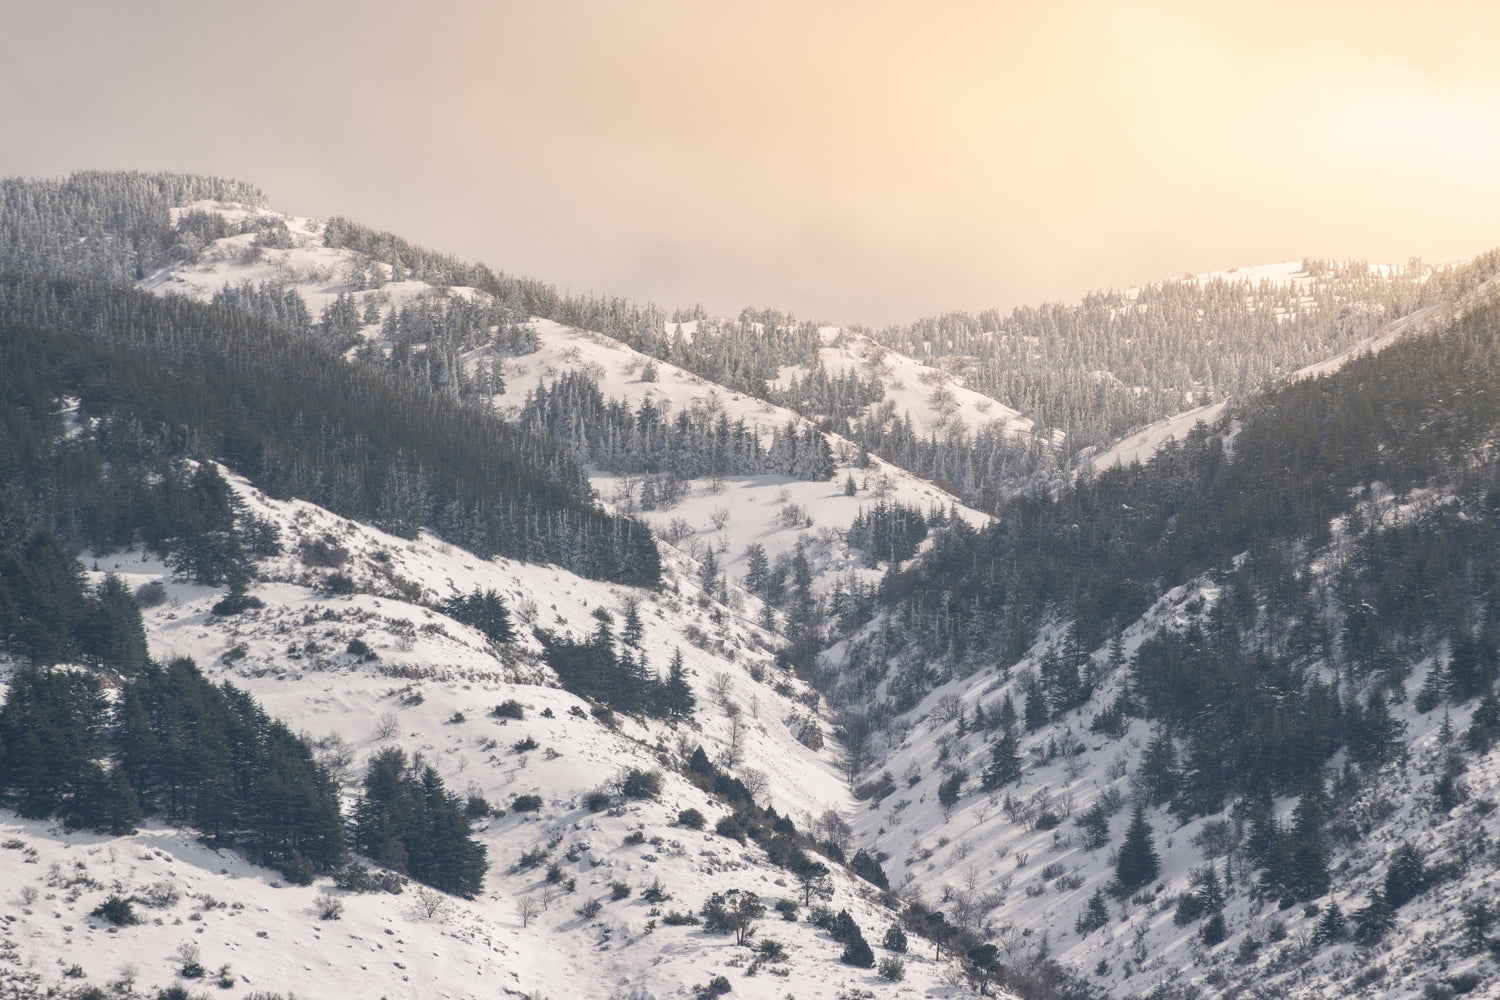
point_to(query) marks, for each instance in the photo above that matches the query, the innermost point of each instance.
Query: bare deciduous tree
(528, 907)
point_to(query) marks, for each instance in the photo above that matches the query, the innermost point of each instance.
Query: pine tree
(1094, 916)
(1005, 762)
(1095, 826)
(1036, 704)
(756, 568)
(1333, 927)
(1138, 863)
(679, 693)
(1309, 854)
(1406, 877)
(1158, 775)
(1373, 920)
(632, 631)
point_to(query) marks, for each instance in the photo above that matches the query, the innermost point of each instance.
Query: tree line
(159, 380)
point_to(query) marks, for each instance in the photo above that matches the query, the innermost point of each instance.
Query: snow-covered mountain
(868, 735)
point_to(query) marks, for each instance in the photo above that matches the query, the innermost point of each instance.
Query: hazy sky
(851, 161)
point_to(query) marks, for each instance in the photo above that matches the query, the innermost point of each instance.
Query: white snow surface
(436, 680)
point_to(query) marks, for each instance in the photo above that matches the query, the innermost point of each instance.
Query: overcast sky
(848, 161)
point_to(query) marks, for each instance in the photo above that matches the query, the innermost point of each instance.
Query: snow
(754, 504)
(1028, 885)
(1141, 445)
(1028, 882)
(429, 670)
(1144, 443)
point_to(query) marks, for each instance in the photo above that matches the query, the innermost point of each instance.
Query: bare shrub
(329, 906)
(151, 595)
(387, 726)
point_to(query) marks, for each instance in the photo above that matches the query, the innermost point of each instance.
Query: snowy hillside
(1219, 725)
(774, 512)
(1017, 861)
(428, 684)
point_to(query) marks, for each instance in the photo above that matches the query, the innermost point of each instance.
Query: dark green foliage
(1158, 771)
(1094, 916)
(54, 728)
(733, 911)
(1004, 766)
(1479, 916)
(691, 444)
(715, 987)
(638, 783)
(48, 615)
(869, 869)
(210, 757)
(113, 226)
(895, 939)
(889, 532)
(117, 910)
(1333, 927)
(951, 786)
(508, 709)
(812, 877)
(1247, 715)
(526, 803)
(1137, 864)
(618, 679)
(1406, 877)
(407, 820)
(1214, 929)
(174, 378)
(1094, 825)
(484, 610)
(1484, 724)
(857, 952)
(173, 746)
(691, 818)
(983, 966)
(1373, 920)
(1373, 735)
(1296, 860)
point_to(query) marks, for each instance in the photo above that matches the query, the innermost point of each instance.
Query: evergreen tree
(1373, 920)
(756, 568)
(1158, 775)
(1406, 877)
(1005, 762)
(633, 630)
(867, 868)
(679, 694)
(1137, 864)
(1333, 927)
(1094, 916)
(1308, 875)
(1036, 714)
(484, 610)
(1094, 824)
(407, 820)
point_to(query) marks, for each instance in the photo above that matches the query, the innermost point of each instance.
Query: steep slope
(428, 684)
(1307, 709)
